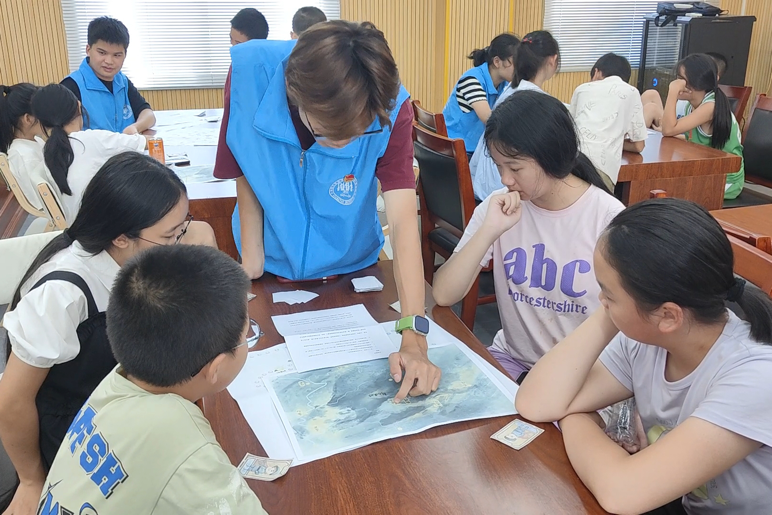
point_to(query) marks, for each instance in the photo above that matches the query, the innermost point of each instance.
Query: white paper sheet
(294, 297)
(332, 337)
(334, 348)
(323, 320)
(196, 134)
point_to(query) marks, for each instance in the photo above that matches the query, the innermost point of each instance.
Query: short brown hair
(344, 74)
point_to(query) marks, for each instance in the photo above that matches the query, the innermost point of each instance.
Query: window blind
(587, 29)
(178, 44)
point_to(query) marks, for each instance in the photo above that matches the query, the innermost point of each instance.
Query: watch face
(421, 325)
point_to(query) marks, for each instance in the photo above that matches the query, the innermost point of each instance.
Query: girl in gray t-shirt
(701, 377)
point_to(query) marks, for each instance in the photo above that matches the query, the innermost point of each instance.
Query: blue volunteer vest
(107, 111)
(319, 205)
(468, 126)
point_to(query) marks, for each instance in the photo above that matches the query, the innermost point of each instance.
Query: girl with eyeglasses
(57, 342)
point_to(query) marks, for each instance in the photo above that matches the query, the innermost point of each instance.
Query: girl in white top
(71, 154)
(58, 349)
(701, 377)
(18, 129)
(536, 61)
(540, 230)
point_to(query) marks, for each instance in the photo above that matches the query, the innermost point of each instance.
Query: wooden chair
(658, 194)
(752, 264)
(760, 241)
(51, 203)
(738, 99)
(15, 188)
(757, 142)
(447, 203)
(428, 120)
(51, 208)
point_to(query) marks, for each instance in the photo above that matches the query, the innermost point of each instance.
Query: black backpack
(667, 12)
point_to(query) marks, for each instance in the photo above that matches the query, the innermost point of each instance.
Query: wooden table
(451, 469)
(755, 219)
(684, 170)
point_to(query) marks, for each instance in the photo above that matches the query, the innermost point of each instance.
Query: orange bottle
(155, 147)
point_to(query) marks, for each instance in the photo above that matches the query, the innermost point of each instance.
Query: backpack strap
(72, 278)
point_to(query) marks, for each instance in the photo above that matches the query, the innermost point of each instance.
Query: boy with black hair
(608, 113)
(305, 18)
(111, 100)
(248, 24)
(177, 322)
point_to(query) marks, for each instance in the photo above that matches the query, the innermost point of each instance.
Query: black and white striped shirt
(468, 91)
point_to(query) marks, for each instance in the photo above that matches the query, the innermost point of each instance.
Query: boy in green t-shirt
(177, 322)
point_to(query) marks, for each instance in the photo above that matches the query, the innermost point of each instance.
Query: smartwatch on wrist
(415, 323)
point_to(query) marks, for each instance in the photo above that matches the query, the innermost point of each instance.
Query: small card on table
(517, 434)
(263, 469)
(365, 284)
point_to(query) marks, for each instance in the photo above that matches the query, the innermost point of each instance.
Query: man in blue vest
(308, 132)
(110, 100)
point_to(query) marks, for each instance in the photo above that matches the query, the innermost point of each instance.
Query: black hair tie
(736, 291)
(67, 236)
(6, 90)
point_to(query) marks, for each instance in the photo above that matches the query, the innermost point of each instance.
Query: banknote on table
(517, 434)
(263, 469)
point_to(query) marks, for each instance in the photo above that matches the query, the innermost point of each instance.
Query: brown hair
(344, 74)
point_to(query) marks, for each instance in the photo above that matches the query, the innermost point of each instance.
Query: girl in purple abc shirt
(539, 230)
(701, 376)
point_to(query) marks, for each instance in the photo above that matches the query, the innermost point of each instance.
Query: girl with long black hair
(701, 376)
(709, 120)
(58, 349)
(540, 231)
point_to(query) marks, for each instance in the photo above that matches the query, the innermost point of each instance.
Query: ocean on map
(336, 409)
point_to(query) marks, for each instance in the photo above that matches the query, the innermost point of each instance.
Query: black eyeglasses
(318, 137)
(182, 233)
(253, 334)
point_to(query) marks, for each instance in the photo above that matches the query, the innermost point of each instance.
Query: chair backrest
(445, 181)
(757, 142)
(658, 194)
(738, 98)
(753, 264)
(762, 242)
(428, 120)
(16, 255)
(52, 206)
(13, 185)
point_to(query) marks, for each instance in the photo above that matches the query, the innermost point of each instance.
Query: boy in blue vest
(311, 129)
(248, 24)
(177, 322)
(111, 100)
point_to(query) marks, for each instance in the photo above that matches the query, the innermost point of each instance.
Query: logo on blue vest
(126, 112)
(344, 190)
